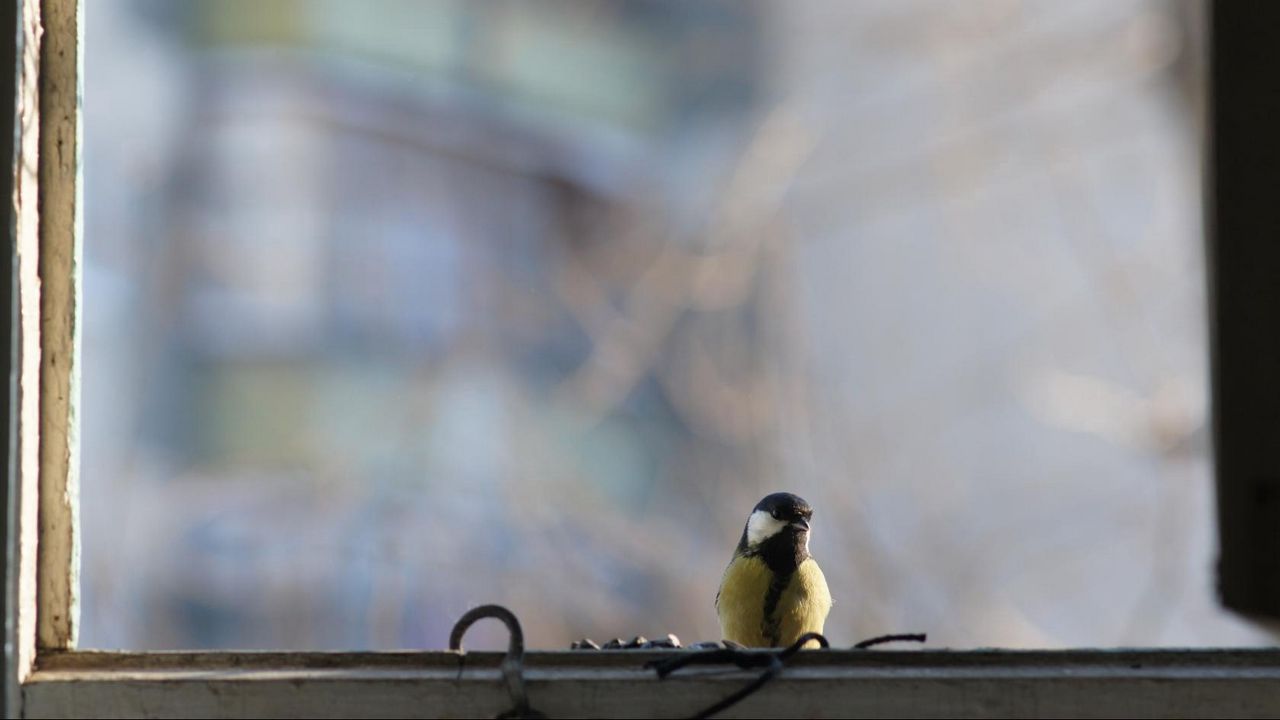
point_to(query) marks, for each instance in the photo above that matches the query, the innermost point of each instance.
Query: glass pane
(395, 308)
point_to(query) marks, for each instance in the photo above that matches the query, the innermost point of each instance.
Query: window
(55, 680)
(363, 285)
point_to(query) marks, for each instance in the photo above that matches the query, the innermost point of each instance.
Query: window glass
(394, 308)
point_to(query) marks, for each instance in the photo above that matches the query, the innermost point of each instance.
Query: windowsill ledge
(977, 683)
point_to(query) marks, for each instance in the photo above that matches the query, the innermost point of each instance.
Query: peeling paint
(26, 208)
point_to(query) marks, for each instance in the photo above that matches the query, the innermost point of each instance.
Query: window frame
(45, 676)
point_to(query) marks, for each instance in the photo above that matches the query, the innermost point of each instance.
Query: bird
(773, 591)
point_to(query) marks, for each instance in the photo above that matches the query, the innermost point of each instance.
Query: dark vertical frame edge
(10, 28)
(1242, 227)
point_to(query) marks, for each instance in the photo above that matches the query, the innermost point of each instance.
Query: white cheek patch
(761, 526)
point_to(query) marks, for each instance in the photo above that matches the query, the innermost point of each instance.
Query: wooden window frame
(45, 676)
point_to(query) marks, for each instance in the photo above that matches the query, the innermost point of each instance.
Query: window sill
(835, 683)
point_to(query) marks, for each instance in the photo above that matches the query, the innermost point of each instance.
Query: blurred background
(393, 308)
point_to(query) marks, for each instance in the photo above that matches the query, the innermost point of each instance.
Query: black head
(778, 531)
(790, 509)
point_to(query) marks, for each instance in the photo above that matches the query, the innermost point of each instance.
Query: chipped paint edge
(27, 365)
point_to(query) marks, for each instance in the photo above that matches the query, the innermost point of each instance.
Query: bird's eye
(776, 515)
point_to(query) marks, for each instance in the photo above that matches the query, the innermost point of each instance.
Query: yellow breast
(801, 608)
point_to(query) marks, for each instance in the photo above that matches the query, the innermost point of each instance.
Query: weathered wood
(1122, 683)
(60, 258)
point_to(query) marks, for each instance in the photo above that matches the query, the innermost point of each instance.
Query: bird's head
(779, 513)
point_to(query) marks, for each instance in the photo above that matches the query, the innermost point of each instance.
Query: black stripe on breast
(783, 553)
(772, 630)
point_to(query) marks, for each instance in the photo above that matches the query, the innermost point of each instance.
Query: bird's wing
(740, 602)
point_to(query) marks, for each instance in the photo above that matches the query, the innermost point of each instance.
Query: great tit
(773, 591)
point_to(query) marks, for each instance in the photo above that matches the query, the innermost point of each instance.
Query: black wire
(775, 666)
(775, 662)
(882, 639)
(742, 659)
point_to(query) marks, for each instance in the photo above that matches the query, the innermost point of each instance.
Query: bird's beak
(800, 524)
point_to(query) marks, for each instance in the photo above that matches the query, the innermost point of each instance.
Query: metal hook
(512, 662)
